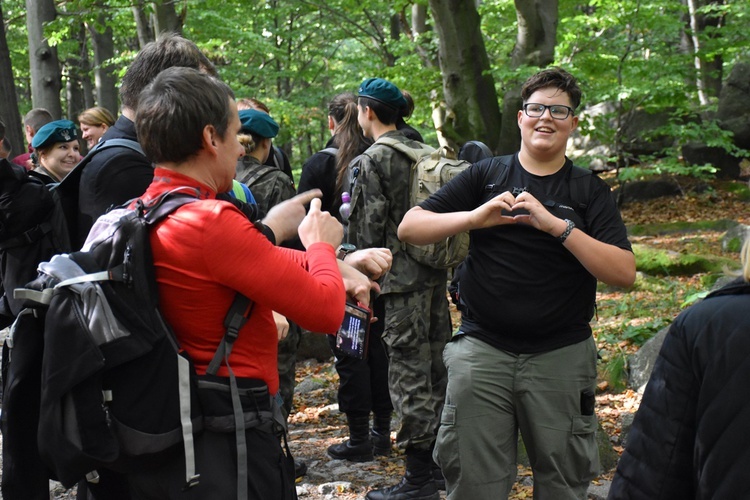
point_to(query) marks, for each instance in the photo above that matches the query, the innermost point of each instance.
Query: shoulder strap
(256, 174)
(329, 151)
(580, 183)
(71, 181)
(503, 170)
(120, 142)
(413, 154)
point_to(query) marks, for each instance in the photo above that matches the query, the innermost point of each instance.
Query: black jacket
(690, 437)
(113, 177)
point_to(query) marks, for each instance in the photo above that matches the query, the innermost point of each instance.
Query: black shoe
(300, 469)
(353, 453)
(406, 490)
(381, 443)
(437, 476)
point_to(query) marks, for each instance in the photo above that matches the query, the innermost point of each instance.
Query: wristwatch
(566, 233)
(344, 250)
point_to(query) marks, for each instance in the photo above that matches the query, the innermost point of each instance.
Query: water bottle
(345, 208)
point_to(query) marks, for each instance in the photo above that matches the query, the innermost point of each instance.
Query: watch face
(347, 248)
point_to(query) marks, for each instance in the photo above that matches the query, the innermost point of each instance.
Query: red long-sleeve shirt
(207, 251)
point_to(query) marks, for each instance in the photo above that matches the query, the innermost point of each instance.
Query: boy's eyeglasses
(556, 111)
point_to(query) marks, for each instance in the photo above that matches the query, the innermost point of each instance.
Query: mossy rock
(657, 262)
(663, 228)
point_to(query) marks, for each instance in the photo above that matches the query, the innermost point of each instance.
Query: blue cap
(53, 132)
(382, 91)
(258, 123)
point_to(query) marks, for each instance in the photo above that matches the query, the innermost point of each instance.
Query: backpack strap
(74, 176)
(580, 184)
(258, 173)
(329, 151)
(413, 154)
(238, 314)
(503, 171)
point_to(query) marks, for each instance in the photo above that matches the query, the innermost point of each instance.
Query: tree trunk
(708, 72)
(537, 33)
(418, 18)
(75, 73)
(142, 26)
(165, 17)
(104, 51)
(85, 71)
(8, 99)
(535, 46)
(45, 68)
(468, 86)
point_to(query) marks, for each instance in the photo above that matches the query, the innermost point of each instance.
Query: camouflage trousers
(417, 327)
(287, 361)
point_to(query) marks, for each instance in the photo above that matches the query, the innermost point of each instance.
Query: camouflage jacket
(269, 185)
(380, 198)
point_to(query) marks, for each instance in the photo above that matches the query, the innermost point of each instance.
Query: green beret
(53, 132)
(382, 91)
(258, 123)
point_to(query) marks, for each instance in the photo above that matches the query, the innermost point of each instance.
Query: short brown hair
(175, 108)
(553, 77)
(169, 50)
(37, 118)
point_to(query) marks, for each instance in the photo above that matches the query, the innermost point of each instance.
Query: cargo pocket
(583, 456)
(398, 328)
(447, 451)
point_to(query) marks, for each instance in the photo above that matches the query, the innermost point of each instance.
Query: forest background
(656, 76)
(462, 60)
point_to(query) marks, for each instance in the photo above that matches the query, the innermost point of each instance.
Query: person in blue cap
(56, 150)
(417, 322)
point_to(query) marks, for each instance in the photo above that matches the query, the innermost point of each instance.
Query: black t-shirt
(521, 290)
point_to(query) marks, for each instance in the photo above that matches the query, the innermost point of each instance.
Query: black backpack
(117, 390)
(36, 220)
(31, 231)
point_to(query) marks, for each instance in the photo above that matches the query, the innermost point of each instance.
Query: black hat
(382, 91)
(258, 123)
(53, 132)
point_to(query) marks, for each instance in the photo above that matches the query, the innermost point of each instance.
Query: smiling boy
(524, 358)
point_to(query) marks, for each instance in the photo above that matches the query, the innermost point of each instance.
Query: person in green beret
(269, 185)
(56, 150)
(417, 322)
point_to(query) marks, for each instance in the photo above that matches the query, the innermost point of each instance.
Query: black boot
(381, 434)
(417, 483)
(358, 448)
(437, 476)
(381, 443)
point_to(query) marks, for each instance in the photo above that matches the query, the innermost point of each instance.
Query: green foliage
(669, 166)
(614, 370)
(296, 54)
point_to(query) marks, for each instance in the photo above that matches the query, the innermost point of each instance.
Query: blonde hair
(247, 142)
(96, 117)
